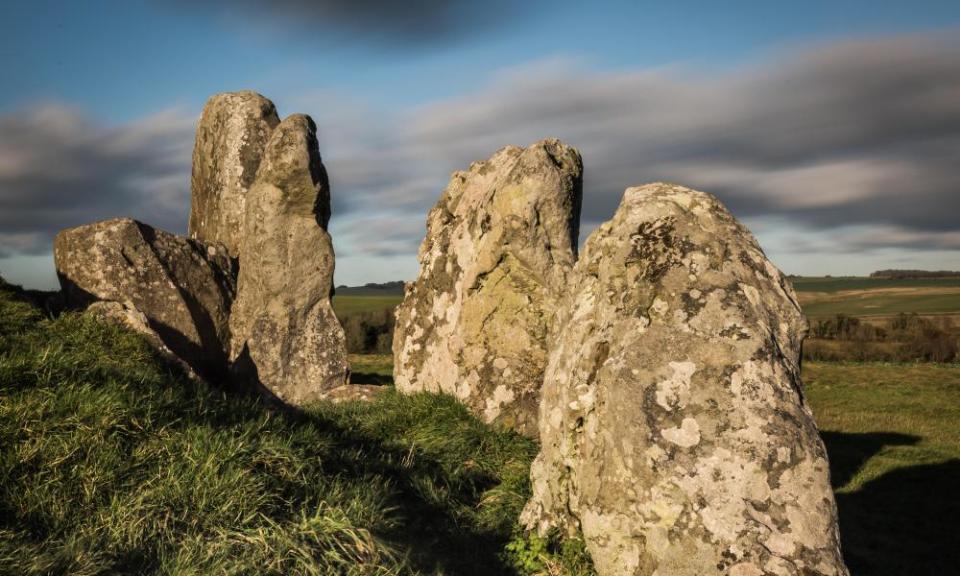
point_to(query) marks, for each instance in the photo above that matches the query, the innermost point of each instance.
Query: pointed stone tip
(296, 135)
(676, 193)
(242, 103)
(298, 121)
(558, 152)
(239, 96)
(551, 143)
(291, 161)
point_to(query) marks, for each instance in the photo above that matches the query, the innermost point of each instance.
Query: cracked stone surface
(183, 288)
(500, 243)
(673, 426)
(231, 136)
(285, 336)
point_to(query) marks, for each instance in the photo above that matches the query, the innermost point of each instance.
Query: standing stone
(285, 334)
(499, 246)
(233, 131)
(673, 426)
(182, 287)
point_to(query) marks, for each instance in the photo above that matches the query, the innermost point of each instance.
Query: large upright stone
(232, 133)
(182, 287)
(285, 334)
(499, 245)
(673, 426)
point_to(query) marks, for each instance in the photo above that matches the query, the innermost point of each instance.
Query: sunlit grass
(114, 463)
(111, 462)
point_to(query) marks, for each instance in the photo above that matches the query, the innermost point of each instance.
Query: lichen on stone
(673, 429)
(499, 244)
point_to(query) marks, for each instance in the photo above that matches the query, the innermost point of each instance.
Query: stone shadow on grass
(849, 452)
(902, 523)
(373, 378)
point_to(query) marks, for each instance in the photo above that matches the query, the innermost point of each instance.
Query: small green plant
(553, 555)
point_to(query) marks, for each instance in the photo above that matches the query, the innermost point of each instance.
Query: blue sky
(829, 127)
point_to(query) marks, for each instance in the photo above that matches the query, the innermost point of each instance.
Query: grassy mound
(111, 462)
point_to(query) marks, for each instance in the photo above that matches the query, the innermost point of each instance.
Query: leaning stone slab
(673, 426)
(233, 131)
(182, 287)
(285, 336)
(499, 245)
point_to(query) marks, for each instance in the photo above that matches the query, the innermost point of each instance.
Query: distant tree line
(914, 274)
(372, 288)
(904, 338)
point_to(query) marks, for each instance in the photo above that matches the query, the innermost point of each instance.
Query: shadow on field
(902, 523)
(849, 452)
(371, 378)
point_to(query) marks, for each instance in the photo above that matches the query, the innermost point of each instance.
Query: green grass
(113, 463)
(371, 369)
(893, 435)
(349, 304)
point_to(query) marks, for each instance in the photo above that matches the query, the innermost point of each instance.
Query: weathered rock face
(673, 426)
(182, 287)
(285, 335)
(233, 131)
(499, 245)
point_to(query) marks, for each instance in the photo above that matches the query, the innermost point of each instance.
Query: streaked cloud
(849, 133)
(59, 168)
(855, 143)
(412, 24)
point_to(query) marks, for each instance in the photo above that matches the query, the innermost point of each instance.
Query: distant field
(877, 297)
(823, 284)
(882, 302)
(350, 304)
(819, 297)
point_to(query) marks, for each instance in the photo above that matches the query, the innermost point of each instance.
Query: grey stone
(285, 335)
(233, 131)
(673, 427)
(182, 287)
(499, 245)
